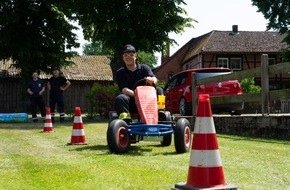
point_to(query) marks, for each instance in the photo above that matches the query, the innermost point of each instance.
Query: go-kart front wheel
(182, 136)
(118, 138)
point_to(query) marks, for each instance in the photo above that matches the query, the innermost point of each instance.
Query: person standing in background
(35, 89)
(56, 85)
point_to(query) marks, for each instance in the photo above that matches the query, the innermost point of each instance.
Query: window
(176, 80)
(271, 61)
(182, 78)
(236, 64)
(171, 84)
(223, 62)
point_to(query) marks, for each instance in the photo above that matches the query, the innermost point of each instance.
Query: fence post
(265, 83)
(194, 93)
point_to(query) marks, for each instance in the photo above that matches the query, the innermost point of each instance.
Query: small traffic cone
(78, 134)
(47, 122)
(205, 167)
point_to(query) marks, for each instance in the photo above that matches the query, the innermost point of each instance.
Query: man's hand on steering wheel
(150, 80)
(146, 81)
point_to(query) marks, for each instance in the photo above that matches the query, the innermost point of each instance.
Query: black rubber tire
(112, 116)
(185, 108)
(182, 136)
(165, 116)
(166, 140)
(236, 112)
(118, 138)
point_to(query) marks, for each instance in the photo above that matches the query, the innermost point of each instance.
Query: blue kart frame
(121, 134)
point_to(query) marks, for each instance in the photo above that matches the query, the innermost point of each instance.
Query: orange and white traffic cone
(78, 134)
(205, 167)
(47, 122)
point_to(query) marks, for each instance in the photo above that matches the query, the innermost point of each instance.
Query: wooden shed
(86, 71)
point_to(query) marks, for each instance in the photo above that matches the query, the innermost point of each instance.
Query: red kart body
(146, 101)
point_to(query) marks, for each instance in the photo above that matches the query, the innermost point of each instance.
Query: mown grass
(30, 159)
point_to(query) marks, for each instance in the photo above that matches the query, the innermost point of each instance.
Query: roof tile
(244, 41)
(93, 68)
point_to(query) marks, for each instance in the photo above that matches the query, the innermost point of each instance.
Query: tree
(278, 14)
(147, 58)
(145, 24)
(36, 34)
(96, 48)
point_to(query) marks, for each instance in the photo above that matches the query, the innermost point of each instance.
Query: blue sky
(214, 15)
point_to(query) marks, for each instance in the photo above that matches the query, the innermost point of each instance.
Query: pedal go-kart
(151, 121)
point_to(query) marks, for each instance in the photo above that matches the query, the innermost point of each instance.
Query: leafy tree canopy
(144, 24)
(278, 14)
(97, 48)
(36, 34)
(147, 58)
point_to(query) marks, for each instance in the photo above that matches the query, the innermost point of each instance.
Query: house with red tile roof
(238, 50)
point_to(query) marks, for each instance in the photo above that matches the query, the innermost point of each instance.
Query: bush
(248, 86)
(102, 98)
(161, 84)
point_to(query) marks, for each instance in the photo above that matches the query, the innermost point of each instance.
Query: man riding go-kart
(122, 131)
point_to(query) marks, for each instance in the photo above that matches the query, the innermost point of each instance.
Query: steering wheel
(142, 82)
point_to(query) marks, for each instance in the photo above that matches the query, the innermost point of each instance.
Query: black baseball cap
(128, 48)
(55, 68)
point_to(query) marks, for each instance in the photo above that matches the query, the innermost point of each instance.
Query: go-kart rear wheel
(112, 116)
(182, 136)
(166, 140)
(165, 116)
(118, 138)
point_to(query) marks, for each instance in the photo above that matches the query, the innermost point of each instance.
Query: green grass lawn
(30, 159)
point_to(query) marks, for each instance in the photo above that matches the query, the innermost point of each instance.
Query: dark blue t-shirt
(56, 83)
(126, 78)
(36, 86)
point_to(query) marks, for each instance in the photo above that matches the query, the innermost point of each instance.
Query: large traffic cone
(78, 134)
(205, 167)
(47, 122)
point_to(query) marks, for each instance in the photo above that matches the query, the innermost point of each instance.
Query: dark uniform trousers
(56, 98)
(37, 101)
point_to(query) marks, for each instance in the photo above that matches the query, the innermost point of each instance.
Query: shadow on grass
(256, 139)
(21, 126)
(162, 147)
(101, 148)
(133, 151)
(145, 149)
(104, 149)
(29, 126)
